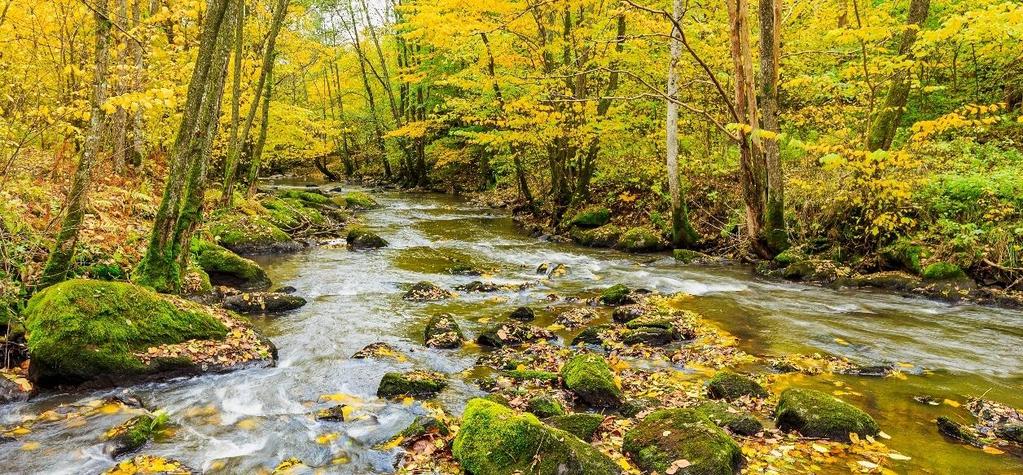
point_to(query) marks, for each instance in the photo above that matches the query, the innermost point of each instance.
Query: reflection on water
(244, 421)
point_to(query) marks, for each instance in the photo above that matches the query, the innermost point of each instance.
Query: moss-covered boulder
(604, 236)
(669, 435)
(590, 378)
(582, 424)
(442, 331)
(689, 256)
(229, 269)
(511, 334)
(310, 197)
(545, 406)
(889, 280)
(816, 414)
(415, 384)
(359, 200)
(617, 294)
(246, 234)
(650, 336)
(257, 303)
(523, 314)
(591, 217)
(495, 440)
(641, 239)
(131, 435)
(942, 271)
(820, 271)
(731, 386)
(291, 214)
(737, 421)
(360, 238)
(591, 335)
(83, 330)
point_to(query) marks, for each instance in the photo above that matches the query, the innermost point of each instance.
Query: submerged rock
(731, 386)
(523, 314)
(737, 421)
(426, 291)
(246, 234)
(545, 406)
(435, 260)
(378, 350)
(593, 335)
(361, 239)
(582, 424)
(957, 431)
(665, 437)
(227, 268)
(478, 286)
(113, 332)
(336, 413)
(415, 384)
(576, 317)
(512, 333)
(132, 434)
(495, 440)
(442, 331)
(254, 303)
(816, 414)
(590, 378)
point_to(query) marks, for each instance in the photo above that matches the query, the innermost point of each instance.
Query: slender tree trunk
(119, 131)
(775, 235)
(370, 99)
(887, 120)
(59, 262)
(233, 146)
(751, 158)
(682, 233)
(520, 172)
(588, 165)
(138, 137)
(257, 152)
(230, 169)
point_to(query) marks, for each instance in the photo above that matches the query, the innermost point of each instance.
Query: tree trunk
(888, 117)
(257, 152)
(682, 233)
(59, 261)
(775, 235)
(751, 158)
(520, 172)
(370, 99)
(138, 142)
(233, 147)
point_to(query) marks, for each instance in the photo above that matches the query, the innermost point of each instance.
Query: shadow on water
(251, 420)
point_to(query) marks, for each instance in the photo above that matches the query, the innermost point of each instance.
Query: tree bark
(370, 99)
(59, 261)
(886, 123)
(257, 152)
(233, 146)
(775, 235)
(682, 233)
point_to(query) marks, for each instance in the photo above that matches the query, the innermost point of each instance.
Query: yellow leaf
(951, 403)
(327, 438)
(991, 450)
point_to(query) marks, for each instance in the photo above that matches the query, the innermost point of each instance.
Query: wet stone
(512, 333)
(478, 286)
(651, 336)
(378, 350)
(627, 313)
(442, 331)
(576, 317)
(523, 314)
(415, 384)
(262, 302)
(425, 292)
(332, 414)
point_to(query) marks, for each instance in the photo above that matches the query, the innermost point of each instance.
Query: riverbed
(249, 421)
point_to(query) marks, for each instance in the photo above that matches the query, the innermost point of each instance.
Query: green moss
(495, 440)
(903, 254)
(132, 434)
(790, 256)
(290, 213)
(641, 239)
(306, 196)
(590, 378)
(247, 234)
(591, 217)
(731, 386)
(545, 406)
(942, 271)
(434, 260)
(227, 268)
(416, 384)
(359, 200)
(817, 414)
(582, 425)
(531, 375)
(668, 435)
(83, 329)
(362, 238)
(687, 256)
(735, 420)
(604, 236)
(617, 294)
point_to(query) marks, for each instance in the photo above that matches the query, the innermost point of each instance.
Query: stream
(249, 421)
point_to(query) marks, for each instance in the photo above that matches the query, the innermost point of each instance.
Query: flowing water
(248, 421)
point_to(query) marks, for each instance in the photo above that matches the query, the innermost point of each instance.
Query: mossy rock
(942, 271)
(582, 425)
(379, 350)
(731, 386)
(617, 294)
(688, 256)
(650, 336)
(511, 334)
(819, 271)
(82, 330)
(889, 280)
(604, 236)
(1011, 431)
(493, 439)
(590, 378)
(359, 200)
(592, 335)
(131, 435)
(227, 268)
(246, 234)
(790, 256)
(442, 331)
(903, 254)
(425, 292)
(737, 421)
(667, 435)
(523, 314)
(257, 303)
(360, 238)
(816, 414)
(591, 217)
(415, 384)
(641, 239)
(290, 214)
(424, 425)
(627, 313)
(958, 432)
(545, 406)
(306, 196)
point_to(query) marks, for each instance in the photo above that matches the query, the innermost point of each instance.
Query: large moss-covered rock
(735, 420)
(416, 384)
(227, 268)
(816, 414)
(670, 435)
(545, 406)
(255, 303)
(591, 217)
(494, 440)
(291, 214)
(617, 294)
(590, 378)
(246, 234)
(942, 271)
(731, 386)
(359, 200)
(604, 236)
(361, 238)
(82, 330)
(442, 331)
(582, 424)
(641, 239)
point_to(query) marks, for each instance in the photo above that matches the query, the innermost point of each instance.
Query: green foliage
(591, 217)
